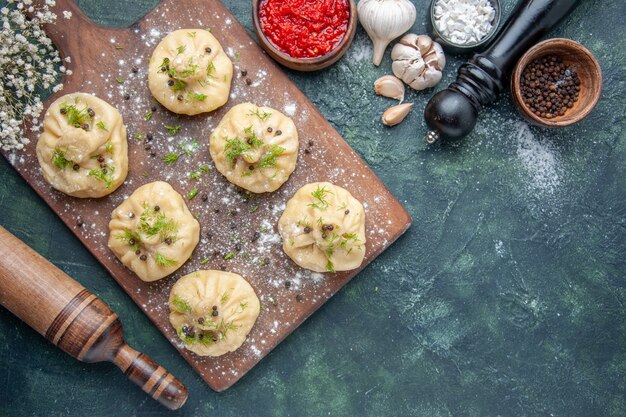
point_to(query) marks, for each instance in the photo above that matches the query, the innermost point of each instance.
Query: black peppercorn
(251, 167)
(170, 82)
(157, 208)
(204, 197)
(79, 222)
(131, 215)
(168, 241)
(269, 129)
(138, 252)
(149, 136)
(256, 236)
(134, 69)
(214, 308)
(153, 109)
(126, 96)
(279, 132)
(248, 81)
(324, 235)
(85, 127)
(346, 212)
(201, 320)
(299, 298)
(76, 167)
(207, 50)
(143, 257)
(180, 97)
(63, 111)
(244, 73)
(238, 247)
(307, 151)
(100, 158)
(307, 229)
(215, 313)
(131, 241)
(90, 112)
(287, 284)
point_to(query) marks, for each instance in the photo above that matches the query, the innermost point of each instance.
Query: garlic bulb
(385, 20)
(418, 61)
(390, 86)
(394, 115)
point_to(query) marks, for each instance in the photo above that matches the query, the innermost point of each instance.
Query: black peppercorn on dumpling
(323, 228)
(213, 311)
(255, 147)
(83, 150)
(152, 232)
(189, 72)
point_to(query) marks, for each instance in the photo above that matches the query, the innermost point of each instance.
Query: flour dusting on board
(238, 229)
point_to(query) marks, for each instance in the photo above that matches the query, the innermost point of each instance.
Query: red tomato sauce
(304, 28)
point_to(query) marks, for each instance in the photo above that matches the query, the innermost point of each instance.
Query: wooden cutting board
(102, 61)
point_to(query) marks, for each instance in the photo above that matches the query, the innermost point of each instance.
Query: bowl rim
(336, 52)
(533, 53)
(468, 47)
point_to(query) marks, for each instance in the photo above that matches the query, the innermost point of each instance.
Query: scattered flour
(540, 162)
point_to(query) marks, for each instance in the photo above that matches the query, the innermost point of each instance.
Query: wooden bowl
(579, 59)
(306, 64)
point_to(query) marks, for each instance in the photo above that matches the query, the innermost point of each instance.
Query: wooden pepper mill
(75, 320)
(452, 113)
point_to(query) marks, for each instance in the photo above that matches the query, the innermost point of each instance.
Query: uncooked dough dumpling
(213, 311)
(255, 147)
(189, 72)
(152, 232)
(323, 228)
(83, 150)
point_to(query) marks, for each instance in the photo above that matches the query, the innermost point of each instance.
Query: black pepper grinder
(452, 113)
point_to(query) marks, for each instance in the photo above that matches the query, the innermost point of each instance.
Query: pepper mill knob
(449, 114)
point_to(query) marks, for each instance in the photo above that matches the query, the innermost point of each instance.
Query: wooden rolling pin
(75, 320)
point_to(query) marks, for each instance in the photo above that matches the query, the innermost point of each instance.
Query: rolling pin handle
(153, 379)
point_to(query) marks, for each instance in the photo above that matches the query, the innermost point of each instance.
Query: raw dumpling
(152, 232)
(213, 311)
(189, 72)
(323, 228)
(83, 150)
(255, 148)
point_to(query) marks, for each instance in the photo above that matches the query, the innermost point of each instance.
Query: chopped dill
(108, 148)
(148, 116)
(138, 136)
(75, 117)
(330, 267)
(119, 80)
(180, 305)
(210, 68)
(204, 261)
(197, 96)
(192, 194)
(59, 160)
(196, 174)
(154, 223)
(235, 148)
(103, 174)
(253, 139)
(179, 85)
(181, 49)
(173, 130)
(319, 195)
(229, 255)
(100, 125)
(161, 260)
(129, 236)
(170, 158)
(224, 297)
(191, 34)
(262, 115)
(269, 159)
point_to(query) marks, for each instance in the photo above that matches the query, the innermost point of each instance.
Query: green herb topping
(163, 261)
(59, 160)
(319, 196)
(100, 125)
(103, 174)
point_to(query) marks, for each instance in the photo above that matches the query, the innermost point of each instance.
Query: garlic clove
(390, 86)
(396, 114)
(385, 20)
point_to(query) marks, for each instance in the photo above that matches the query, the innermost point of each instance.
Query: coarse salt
(464, 22)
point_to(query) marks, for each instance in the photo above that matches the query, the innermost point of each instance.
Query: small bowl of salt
(464, 26)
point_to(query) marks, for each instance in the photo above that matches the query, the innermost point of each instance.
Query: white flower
(29, 63)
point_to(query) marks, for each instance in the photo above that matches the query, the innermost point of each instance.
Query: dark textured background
(506, 297)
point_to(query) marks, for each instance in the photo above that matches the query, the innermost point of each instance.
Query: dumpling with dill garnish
(189, 72)
(255, 147)
(152, 232)
(83, 150)
(323, 228)
(213, 311)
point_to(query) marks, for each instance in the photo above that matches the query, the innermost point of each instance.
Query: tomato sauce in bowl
(304, 28)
